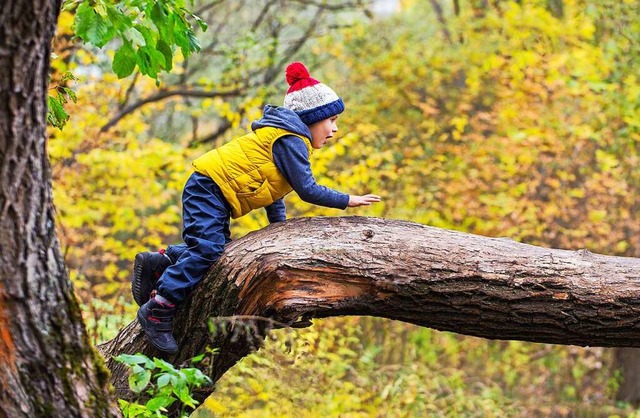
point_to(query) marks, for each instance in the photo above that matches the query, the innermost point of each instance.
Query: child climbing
(252, 171)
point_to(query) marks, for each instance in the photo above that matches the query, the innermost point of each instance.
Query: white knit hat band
(310, 97)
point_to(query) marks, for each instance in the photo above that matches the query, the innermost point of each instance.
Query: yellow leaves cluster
(116, 193)
(355, 367)
(522, 126)
(516, 131)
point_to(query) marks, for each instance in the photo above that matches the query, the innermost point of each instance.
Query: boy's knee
(208, 251)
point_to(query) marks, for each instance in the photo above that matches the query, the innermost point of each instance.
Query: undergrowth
(370, 367)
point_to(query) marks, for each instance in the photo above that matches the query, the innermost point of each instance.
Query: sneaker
(156, 320)
(147, 269)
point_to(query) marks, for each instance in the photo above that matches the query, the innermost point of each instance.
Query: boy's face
(323, 131)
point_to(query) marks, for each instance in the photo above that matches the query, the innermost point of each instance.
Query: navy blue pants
(205, 216)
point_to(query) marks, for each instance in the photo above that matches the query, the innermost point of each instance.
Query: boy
(250, 172)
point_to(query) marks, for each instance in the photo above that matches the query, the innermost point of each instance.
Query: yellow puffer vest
(245, 172)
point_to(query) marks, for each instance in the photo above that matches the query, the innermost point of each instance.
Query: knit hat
(309, 98)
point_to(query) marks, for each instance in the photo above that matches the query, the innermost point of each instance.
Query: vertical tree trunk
(47, 366)
(627, 361)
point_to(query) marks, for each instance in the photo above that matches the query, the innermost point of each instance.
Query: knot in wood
(368, 233)
(585, 253)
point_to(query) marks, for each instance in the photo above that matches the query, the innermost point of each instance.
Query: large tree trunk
(627, 362)
(320, 267)
(47, 366)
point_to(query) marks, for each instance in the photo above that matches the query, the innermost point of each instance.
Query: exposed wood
(48, 368)
(320, 267)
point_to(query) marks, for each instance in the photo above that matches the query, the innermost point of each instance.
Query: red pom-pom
(296, 71)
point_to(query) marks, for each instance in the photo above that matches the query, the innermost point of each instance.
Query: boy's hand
(365, 200)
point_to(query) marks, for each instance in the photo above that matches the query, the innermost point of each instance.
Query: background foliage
(506, 118)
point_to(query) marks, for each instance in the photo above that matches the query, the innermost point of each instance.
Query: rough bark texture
(47, 366)
(320, 267)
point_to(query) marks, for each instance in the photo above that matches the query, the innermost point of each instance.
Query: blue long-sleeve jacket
(291, 157)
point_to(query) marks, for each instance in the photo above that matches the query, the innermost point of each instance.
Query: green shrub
(163, 383)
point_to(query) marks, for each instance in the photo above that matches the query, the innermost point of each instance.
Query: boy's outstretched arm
(276, 212)
(365, 200)
(291, 156)
(292, 159)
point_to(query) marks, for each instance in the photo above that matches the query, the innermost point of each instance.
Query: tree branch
(224, 126)
(330, 7)
(440, 14)
(261, 15)
(321, 267)
(127, 94)
(161, 95)
(208, 6)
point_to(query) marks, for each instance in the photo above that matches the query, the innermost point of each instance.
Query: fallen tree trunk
(320, 267)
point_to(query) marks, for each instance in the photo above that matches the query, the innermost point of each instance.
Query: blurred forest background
(516, 119)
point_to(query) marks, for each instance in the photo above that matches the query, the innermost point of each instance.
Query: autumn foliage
(517, 119)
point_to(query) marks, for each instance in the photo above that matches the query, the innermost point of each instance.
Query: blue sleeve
(291, 157)
(276, 212)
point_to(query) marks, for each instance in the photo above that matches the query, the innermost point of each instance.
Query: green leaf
(203, 25)
(69, 76)
(135, 37)
(138, 3)
(148, 35)
(166, 51)
(133, 410)
(159, 15)
(159, 403)
(185, 397)
(92, 27)
(119, 20)
(163, 380)
(124, 61)
(132, 359)
(99, 34)
(180, 33)
(139, 379)
(164, 366)
(194, 43)
(68, 5)
(56, 115)
(71, 94)
(198, 359)
(150, 61)
(84, 17)
(124, 407)
(195, 376)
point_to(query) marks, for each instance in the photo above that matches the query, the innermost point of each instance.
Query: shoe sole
(144, 324)
(140, 294)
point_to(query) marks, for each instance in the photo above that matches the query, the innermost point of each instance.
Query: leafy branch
(150, 31)
(57, 116)
(163, 382)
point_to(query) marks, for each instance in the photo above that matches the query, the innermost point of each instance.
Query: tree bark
(320, 267)
(47, 365)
